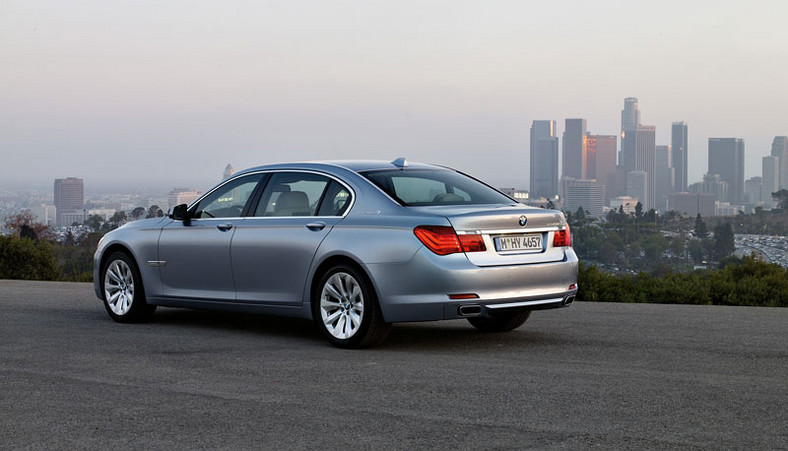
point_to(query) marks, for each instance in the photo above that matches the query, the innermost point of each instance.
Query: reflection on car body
(354, 245)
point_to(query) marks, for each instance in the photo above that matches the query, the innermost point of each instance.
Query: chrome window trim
(271, 172)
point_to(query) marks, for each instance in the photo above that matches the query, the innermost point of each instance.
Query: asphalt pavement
(595, 375)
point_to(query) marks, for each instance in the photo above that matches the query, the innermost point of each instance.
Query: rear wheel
(124, 295)
(500, 322)
(346, 309)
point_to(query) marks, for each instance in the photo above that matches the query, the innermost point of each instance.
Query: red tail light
(562, 238)
(472, 243)
(443, 240)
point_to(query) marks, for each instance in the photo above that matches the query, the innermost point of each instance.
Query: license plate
(519, 243)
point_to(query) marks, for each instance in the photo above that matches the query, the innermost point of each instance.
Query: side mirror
(180, 212)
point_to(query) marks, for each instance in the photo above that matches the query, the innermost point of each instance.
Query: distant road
(603, 376)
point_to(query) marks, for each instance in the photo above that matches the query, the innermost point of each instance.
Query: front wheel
(500, 322)
(124, 295)
(346, 309)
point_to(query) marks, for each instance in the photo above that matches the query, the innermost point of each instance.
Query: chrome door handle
(224, 227)
(316, 226)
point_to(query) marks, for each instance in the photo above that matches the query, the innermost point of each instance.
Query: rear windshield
(423, 187)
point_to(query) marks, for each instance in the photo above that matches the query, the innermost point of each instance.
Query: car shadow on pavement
(456, 335)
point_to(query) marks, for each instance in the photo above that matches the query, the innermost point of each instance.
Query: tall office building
(753, 189)
(780, 150)
(638, 186)
(770, 179)
(726, 158)
(630, 115)
(665, 173)
(639, 153)
(587, 194)
(544, 159)
(601, 161)
(69, 201)
(678, 141)
(574, 148)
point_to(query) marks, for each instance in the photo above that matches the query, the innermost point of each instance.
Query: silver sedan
(355, 246)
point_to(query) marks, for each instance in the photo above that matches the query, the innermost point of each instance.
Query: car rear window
(425, 187)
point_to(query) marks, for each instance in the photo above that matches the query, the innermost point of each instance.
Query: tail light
(562, 238)
(443, 240)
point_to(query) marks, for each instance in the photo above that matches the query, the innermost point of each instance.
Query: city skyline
(138, 93)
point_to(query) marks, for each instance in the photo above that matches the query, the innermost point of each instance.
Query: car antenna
(400, 162)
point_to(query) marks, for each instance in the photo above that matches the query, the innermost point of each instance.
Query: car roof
(352, 165)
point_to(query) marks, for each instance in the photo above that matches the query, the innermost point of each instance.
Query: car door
(196, 253)
(272, 250)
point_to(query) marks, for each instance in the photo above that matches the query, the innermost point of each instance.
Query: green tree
(23, 258)
(137, 213)
(94, 222)
(25, 221)
(118, 218)
(155, 212)
(700, 227)
(781, 197)
(723, 241)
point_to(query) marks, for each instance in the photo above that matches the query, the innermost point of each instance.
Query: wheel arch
(105, 254)
(330, 262)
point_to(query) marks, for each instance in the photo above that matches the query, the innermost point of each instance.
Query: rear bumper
(419, 290)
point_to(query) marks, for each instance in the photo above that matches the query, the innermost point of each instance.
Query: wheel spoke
(113, 299)
(330, 318)
(355, 319)
(355, 293)
(112, 273)
(332, 290)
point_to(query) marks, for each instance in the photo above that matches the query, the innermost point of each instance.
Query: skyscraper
(69, 201)
(780, 150)
(769, 179)
(665, 174)
(601, 161)
(544, 159)
(639, 153)
(574, 149)
(630, 115)
(678, 141)
(726, 158)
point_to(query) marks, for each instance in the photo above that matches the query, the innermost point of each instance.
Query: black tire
(346, 309)
(122, 290)
(500, 322)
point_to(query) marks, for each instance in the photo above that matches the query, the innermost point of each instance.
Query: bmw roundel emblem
(523, 220)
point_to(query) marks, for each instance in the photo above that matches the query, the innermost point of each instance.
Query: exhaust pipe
(569, 300)
(470, 310)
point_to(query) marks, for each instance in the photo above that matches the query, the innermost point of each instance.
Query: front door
(196, 253)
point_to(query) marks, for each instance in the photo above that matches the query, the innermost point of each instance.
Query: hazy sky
(141, 91)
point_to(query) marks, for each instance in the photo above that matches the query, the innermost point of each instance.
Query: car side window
(228, 200)
(292, 194)
(336, 200)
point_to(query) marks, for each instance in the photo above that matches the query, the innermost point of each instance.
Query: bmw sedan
(353, 245)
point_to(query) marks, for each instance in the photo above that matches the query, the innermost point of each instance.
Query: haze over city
(136, 93)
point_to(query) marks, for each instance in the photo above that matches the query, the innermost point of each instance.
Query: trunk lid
(512, 234)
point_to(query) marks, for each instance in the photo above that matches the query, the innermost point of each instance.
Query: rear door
(273, 248)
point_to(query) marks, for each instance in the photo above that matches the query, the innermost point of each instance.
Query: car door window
(292, 194)
(228, 201)
(336, 201)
